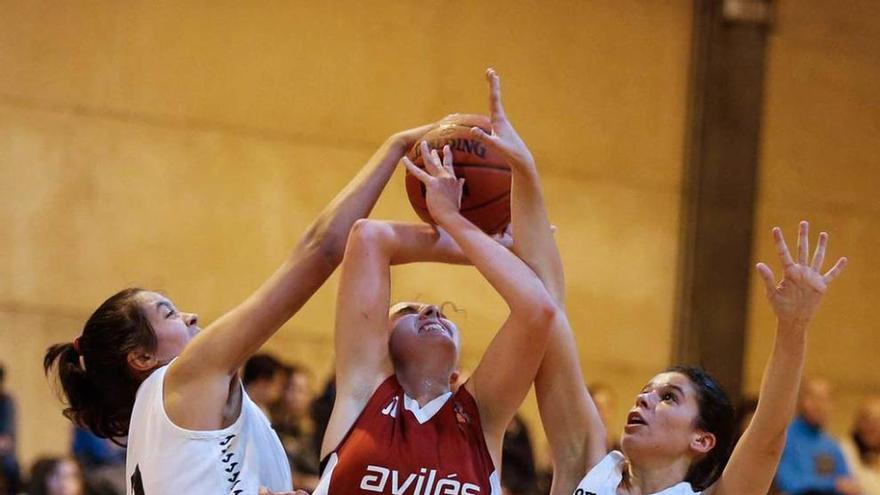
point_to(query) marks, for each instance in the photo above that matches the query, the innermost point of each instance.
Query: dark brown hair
(716, 416)
(97, 384)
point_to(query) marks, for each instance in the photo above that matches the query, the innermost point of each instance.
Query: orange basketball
(485, 199)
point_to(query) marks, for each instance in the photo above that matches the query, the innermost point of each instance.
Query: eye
(171, 313)
(407, 310)
(669, 396)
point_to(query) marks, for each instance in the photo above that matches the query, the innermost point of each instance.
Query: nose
(429, 311)
(643, 400)
(190, 319)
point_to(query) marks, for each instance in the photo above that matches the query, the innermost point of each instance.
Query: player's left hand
(442, 189)
(796, 297)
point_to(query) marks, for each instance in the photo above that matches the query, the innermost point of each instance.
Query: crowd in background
(813, 462)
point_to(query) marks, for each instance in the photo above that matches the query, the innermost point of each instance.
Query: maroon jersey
(397, 448)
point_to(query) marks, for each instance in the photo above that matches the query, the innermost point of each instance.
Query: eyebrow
(668, 385)
(409, 308)
(164, 304)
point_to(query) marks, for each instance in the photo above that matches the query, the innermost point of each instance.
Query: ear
(141, 361)
(453, 378)
(702, 442)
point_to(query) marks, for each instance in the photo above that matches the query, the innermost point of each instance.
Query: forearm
(779, 387)
(514, 281)
(754, 460)
(330, 229)
(419, 242)
(533, 238)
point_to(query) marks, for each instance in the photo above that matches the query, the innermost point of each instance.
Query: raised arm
(795, 300)
(571, 421)
(499, 383)
(206, 365)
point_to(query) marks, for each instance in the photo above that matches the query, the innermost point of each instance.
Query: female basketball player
(679, 434)
(398, 426)
(142, 369)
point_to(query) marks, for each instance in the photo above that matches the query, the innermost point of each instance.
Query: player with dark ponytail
(143, 371)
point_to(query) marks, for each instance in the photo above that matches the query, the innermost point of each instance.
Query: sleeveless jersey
(605, 477)
(163, 458)
(398, 448)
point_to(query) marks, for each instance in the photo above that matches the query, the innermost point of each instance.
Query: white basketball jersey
(165, 459)
(605, 477)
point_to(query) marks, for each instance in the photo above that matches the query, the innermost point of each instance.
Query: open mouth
(433, 327)
(635, 419)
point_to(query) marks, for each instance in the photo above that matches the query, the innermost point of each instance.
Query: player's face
(417, 327)
(174, 329)
(662, 423)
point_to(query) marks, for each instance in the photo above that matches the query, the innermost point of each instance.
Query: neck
(644, 480)
(421, 384)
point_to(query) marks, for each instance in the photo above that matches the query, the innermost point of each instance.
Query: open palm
(797, 296)
(504, 137)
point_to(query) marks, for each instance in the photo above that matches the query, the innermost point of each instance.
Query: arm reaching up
(204, 369)
(571, 421)
(795, 300)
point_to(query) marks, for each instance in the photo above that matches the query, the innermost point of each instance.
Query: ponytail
(94, 375)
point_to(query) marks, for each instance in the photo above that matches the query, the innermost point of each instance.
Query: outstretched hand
(442, 188)
(504, 137)
(796, 297)
(405, 139)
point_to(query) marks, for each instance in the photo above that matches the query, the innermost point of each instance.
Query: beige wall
(820, 162)
(185, 145)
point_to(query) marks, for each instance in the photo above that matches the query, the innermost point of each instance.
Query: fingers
(819, 255)
(416, 171)
(767, 276)
(782, 248)
(803, 244)
(447, 160)
(496, 109)
(836, 270)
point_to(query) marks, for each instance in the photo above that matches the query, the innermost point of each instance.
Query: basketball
(485, 199)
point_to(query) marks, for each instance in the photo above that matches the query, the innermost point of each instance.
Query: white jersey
(164, 459)
(605, 477)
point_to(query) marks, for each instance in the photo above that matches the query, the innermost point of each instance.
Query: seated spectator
(263, 380)
(812, 462)
(862, 449)
(603, 397)
(320, 411)
(9, 470)
(294, 425)
(518, 474)
(56, 476)
(103, 461)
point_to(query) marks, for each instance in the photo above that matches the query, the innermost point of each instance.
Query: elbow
(366, 235)
(542, 314)
(330, 246)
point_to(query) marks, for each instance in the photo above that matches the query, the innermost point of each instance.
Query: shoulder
(605, 474)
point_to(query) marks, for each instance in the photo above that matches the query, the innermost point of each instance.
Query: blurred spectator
(603, 397)
(518, 475)
(10, 476)
(102, 461)
(263, 380)
(812, 462)
(320, 411)
(862, 449)
(295, 428)
(56, 476)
